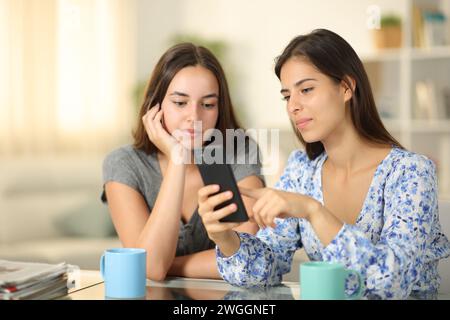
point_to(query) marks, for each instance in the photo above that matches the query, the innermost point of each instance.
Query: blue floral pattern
(396, 242)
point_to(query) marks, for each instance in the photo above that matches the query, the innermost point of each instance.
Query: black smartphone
(222, 175)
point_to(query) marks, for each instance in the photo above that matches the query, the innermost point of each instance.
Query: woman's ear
(349, 86)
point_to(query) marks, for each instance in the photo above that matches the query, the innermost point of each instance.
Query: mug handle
(102, 266)
(358, 293)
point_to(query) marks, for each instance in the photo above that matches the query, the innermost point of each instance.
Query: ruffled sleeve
(263, 259)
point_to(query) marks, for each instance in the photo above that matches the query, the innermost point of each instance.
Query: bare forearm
(160, 233)
(325, 224)
(198, 265)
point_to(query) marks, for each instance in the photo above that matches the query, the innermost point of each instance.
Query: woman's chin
(310, 138)
(191, 145)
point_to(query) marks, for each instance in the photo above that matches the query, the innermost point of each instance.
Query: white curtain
(67, 75)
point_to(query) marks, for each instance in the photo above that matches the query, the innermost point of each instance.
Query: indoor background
(72, 74)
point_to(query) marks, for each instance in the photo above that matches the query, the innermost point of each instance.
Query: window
(67, 75)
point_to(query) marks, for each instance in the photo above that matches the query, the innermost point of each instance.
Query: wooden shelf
(430, 53)
(417, 125)
(394, 74)
(384, 55)
(430, 126)
(396, 55)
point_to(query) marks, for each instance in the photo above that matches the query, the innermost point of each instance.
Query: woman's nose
(294, 104)
(194, 112)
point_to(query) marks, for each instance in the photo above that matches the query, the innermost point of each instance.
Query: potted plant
(390, 33)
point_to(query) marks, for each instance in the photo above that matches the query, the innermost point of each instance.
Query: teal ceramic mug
(321, 280)
(124, 273)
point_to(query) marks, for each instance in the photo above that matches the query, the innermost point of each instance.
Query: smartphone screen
(222, 175)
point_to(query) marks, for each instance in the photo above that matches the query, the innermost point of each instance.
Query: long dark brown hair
(173, 60)
(334, 57)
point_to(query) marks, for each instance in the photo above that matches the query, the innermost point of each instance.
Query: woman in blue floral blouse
(354, 196)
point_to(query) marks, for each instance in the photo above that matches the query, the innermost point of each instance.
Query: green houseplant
(390, 33)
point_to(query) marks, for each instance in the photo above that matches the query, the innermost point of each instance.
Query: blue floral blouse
(395, 244)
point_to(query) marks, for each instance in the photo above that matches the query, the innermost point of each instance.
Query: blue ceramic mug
(321, 280)
(124, 273)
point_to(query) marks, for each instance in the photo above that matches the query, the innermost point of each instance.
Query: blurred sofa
(50, 211)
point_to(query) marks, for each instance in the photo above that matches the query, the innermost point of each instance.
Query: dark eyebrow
(176, 93)
(297, 84)
(211, 95)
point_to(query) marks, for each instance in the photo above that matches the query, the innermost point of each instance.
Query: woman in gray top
(151, 189)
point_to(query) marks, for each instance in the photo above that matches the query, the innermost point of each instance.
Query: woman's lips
(192, 132)
(302, 123)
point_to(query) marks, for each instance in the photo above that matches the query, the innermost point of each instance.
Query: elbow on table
(156, 273)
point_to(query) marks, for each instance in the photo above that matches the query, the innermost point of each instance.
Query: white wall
(156, 22)
(256, 31)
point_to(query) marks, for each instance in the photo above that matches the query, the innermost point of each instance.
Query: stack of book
(426, 106)
(429, 27)
(34, 281)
